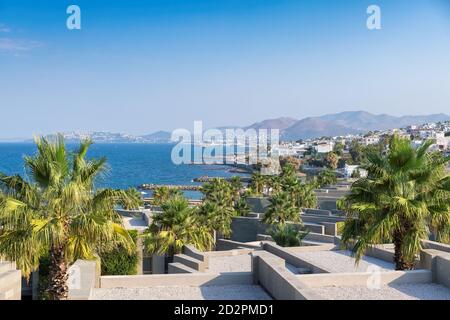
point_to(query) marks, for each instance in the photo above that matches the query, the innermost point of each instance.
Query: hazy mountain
(366, 121)
(315, 128)
(349, 122)
(352, 122)
(278, 123)
(157, 137)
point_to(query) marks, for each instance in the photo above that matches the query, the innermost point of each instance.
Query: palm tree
(236, 188)
(217, 217)
(286, 235)
(302, 195)
(281, 210)
(221, 202)
(326, 178)
(258, 183)
(275, 184)
(305, 196)
(57, 211)
(176, 226)
(163, 193)
(405, 196)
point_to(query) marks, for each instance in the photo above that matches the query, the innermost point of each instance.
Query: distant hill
(315, 128)
(353, 122)
(366, 121)
(278, 123)
(349, 122)
(157, 137)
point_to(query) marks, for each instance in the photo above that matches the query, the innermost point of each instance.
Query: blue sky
(141, 66)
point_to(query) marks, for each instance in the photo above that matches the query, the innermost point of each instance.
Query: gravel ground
(427, 291)
(239, 263)
(341, 261)
(232, 292)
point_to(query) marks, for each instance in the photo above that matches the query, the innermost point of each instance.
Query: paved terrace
(237, 263)
(407, 291)
(308, 272)
(231, 292)
(341, 261)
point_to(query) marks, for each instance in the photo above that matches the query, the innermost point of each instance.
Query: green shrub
(120, 261)
(286, 235)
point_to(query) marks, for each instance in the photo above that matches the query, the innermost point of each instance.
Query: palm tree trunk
(58, 286)
(400, 262)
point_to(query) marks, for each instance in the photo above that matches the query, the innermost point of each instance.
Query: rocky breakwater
(151, 186)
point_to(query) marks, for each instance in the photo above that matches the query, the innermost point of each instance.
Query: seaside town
(224, 158)
(349, 147)
(321, 228)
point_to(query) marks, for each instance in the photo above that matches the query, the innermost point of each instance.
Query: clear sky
(141, 66)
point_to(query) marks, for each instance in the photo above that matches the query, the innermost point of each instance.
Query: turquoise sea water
(130, 165)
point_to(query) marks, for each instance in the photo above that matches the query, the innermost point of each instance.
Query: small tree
(57, 211)
(176, 226)
(281, 209)
(405, 195)
(331, 160)
(163, 193)
(286, 235)
(326, 177)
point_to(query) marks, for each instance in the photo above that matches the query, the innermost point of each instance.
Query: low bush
(119, 261)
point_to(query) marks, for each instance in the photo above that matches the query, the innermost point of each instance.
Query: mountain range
(348, 122)
(343, 123)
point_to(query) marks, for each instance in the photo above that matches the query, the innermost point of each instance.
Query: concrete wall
(158, 264)
(10, 281)
(194, 253)
(327, 202)
(270, 272)
(428, 244)
(443, 269)
(191, 279)
(258, 204)
(175, 267)
(83, 277)
(363, 278)
(245, 229)
(314, 218)
(291, 258)
(438, 262)
(382, 252)
(224, 244)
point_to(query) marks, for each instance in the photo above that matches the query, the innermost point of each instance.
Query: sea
(129, 165)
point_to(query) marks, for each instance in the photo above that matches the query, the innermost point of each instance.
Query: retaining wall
(83, 277)
(270, 272)
(188, 279)
(10, 281)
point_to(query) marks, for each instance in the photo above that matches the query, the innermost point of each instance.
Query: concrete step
(190, 262)
(7, 266)
(176, 267)
(191, 251)
(10, 285)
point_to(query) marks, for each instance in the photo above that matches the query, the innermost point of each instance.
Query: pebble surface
(239, 263)
(416, 291)
(341, 261)
(232, 292)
